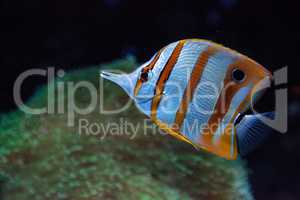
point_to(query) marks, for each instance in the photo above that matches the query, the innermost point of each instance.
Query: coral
(43, 158)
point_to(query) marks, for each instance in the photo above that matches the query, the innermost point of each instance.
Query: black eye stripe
(144, 76)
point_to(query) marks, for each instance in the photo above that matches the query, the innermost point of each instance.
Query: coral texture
(41, 157)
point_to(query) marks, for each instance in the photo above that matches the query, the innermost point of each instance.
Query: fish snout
(123, 80)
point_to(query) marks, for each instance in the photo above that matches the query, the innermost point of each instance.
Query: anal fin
(175, 134)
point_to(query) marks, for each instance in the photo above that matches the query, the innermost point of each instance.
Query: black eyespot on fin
(238, 75)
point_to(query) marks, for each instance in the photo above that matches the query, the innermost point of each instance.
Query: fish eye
(238, 75)
(144, 76)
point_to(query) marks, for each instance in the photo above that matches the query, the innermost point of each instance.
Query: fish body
(195, 90)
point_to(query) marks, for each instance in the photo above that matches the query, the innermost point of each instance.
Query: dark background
(75, 34)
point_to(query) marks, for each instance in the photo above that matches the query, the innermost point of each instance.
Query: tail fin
(251, 132)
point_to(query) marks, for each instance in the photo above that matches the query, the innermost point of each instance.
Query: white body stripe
(145, 95)
(235, 103)
(177, 82)
(202, 105)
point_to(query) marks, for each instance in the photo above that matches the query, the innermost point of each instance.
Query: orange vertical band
(164, 75)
